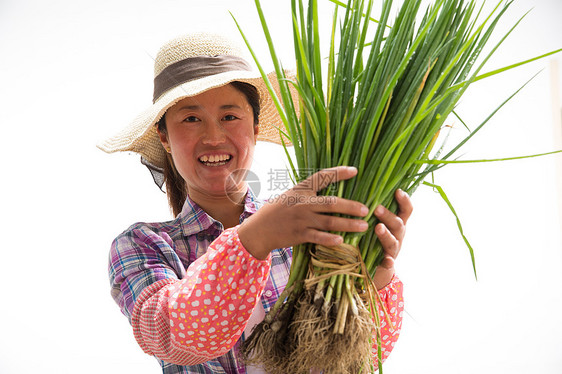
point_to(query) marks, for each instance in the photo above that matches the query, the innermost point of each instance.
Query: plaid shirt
(150, 264)
(136, 265)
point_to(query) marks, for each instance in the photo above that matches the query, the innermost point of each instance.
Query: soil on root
(352, 350)
(268, 345)
(311, 332)
(317, 346)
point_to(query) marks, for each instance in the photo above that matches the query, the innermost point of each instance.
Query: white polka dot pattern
(203, 315)
(393, 301)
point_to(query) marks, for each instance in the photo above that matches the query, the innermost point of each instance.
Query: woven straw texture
(140, 135)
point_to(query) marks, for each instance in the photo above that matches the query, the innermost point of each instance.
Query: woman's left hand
(391, 231)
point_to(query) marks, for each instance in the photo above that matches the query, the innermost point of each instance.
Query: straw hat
(184, 67)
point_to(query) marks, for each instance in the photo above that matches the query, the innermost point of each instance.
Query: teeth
(215, 158)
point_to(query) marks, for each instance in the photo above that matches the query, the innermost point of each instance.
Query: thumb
(387, 263)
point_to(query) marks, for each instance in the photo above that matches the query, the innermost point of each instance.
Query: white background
(73, 72)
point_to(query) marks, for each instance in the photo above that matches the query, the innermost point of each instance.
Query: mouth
(215, 159)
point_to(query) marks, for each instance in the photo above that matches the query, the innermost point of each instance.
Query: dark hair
(252, 96)
(176, 188)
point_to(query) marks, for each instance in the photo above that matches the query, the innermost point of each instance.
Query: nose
(214, 133)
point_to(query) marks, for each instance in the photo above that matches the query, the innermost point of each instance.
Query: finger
(323, 178)
(322, 238)
(393, 222)
(338, 205)
(390, 244)
(405, 206)
(334, 223)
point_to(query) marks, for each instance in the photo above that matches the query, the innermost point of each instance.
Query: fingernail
(364, 210)
(363, 225)
(380, 210)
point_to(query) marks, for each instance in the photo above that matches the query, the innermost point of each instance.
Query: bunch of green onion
(386, 96)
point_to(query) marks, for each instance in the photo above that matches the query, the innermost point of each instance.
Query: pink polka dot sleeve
(201, 317)
(392, 299)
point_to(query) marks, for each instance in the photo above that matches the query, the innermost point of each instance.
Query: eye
(191, 119)
(229, 117)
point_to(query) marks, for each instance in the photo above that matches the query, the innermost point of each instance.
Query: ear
(163, 139)
(256, 132)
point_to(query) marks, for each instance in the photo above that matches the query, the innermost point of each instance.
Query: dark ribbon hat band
(194, 68)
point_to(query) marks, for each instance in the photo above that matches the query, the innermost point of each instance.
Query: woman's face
(211, 135)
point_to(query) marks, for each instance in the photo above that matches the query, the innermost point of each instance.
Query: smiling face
(211, 135)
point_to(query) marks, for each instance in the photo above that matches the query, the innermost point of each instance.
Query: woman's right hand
(300, 216)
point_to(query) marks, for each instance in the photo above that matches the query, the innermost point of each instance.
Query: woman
(190, 287)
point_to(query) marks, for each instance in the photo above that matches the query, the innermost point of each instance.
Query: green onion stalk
(381, 105)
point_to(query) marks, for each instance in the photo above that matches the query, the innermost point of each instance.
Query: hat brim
(140, 135)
